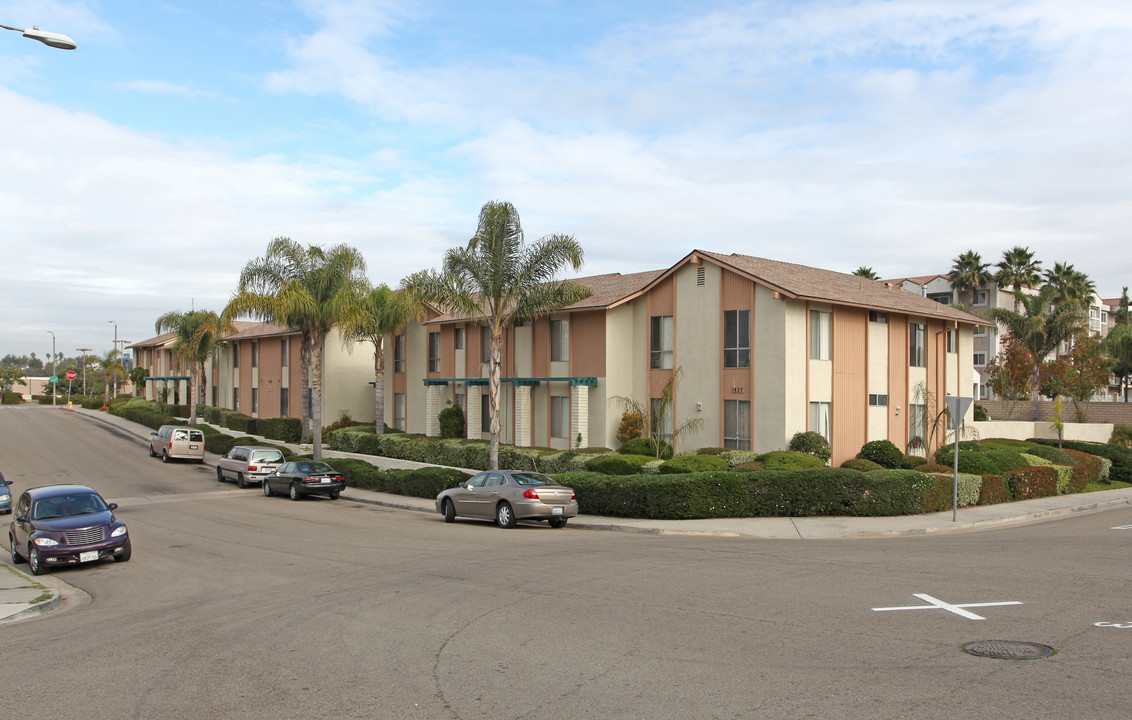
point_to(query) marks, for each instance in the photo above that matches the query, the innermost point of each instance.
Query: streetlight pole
(53, 378)
(115, 347)
(55, 40)
(84, 351)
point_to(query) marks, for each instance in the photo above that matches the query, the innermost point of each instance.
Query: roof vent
(701, 276)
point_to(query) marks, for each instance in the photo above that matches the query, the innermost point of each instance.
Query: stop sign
(71, 375)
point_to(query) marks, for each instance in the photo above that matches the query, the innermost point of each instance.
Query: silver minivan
(177, 442)
(248, 464)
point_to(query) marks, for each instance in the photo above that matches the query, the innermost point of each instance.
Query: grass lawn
(1114, 485)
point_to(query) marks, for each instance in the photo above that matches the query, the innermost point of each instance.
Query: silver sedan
(507, 496)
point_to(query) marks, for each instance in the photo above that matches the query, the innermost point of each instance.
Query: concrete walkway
(19, 592)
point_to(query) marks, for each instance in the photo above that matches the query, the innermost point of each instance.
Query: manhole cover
(1008, 650)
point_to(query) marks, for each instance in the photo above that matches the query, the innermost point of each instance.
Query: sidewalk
(24, 596)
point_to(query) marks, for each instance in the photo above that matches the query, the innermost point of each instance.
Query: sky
(140, 172)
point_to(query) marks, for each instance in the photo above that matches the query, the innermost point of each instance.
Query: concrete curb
(45, 582)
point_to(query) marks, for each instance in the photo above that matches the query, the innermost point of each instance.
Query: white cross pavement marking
(941, 605)
(1122, 527)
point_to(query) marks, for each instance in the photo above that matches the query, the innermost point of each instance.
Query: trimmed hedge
(1120, 456)
(994, 490)
(943, 493)
(693, 464)
(617, 464)
(1032, 482)
(1007, 459)
(883, 453)
(789, 460)
(861, 465)
(646, 446)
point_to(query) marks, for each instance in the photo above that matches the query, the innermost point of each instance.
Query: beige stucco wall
(621, 360)
(878, 380)
(699, 345)
(1018, 430)
(347, 370)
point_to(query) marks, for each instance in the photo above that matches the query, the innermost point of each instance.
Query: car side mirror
(153, 433)
(463, 483)
(113, 506)
(21, 518)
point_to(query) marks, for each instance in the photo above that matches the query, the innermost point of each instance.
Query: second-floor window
(286, 352)
(236, 355)
(980, 359)
(434, 352)
(661, 343)
(458, 338)
(559, 340)
(398, 353)
(917, 344)
(737, 339)
(821, 335)
(255, 353)
(485, 343)
(952, 341)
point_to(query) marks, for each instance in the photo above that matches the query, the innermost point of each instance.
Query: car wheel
(124, 556)
(164, 456)
(219, 475)
(557, 523)
(449, 511)
(505, 516)
(240, 481)
(267, 488)
(295, 494)
(34, 561)
(16, 557)
(333, 494)
(151, 452)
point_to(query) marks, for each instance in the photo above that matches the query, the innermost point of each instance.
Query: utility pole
(53, 378)
(84, 351)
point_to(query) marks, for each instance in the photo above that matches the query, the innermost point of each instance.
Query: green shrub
(861, 465)
(708, 451)
(693, 464)
(943, 494)
(883, 453)
(1007, 459)
(1121, 435)
(1120, 456)
(617, 464)
(12, 398)
(1091, 464)
(284, 429)
(241, 423)
(646, 446)
(811, 443)
(935, 469)
(994, 490)
(452, 422)
(1049, 453)
(789, 460)
(911, 462)
(1032, 482)
(980, 413)
(359, 473)
(426, 482)
(944, 453)
(747, 466)
(977, 463)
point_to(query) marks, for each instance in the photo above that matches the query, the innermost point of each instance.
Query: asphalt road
(239, 606)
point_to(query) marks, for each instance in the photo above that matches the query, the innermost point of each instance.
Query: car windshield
(315, 467)
(267, 456)
(68, 505)
(531, 479)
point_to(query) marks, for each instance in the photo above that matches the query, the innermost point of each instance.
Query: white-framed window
(255, 353)
(917, 344)
(661, 339)
(398, 353)
(737, 424)
(399, 410)
(878, 316)
(434, 352)
(458, 338)
(917, 425)
(983, 392)
(821, 334)
(255, 400)
(981, 297)
(559, 341)
(485, 343)
(941, 299)
(235, 355)
(820, 419)
(980, 359)
(952, 341)
(560, 417)
(284, 402)
(737, 339)
(980, 330)
(664, 431)
(285, 345)
(878, 400)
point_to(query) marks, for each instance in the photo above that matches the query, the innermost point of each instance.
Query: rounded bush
(790, 460)
(811, 443)
(1007, 459)
(748, 466)
(646, 446)
(1049, 453)
(451, 422)
(977, 463)
(944, 453)
(883, 453)
(616, 464)
(693, 463)
(861, 465)
(934, 468)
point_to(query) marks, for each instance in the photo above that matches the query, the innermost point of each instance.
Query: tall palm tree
(199, 333)
(112, 369)
(499, 279)
(370, 316)
(1041, 328)
(969, 273)
(866, 272)
(1122, 316)
(658, 416)
(1069, 285)
(306, 288)
(1119, 346)
(1018, 269)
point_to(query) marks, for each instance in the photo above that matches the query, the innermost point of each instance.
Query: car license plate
(325, 481)
(193, 447)
(556, 511)
(88, 556)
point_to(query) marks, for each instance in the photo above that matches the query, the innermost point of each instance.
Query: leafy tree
(303, 287)
(499, 279)
(113, 371)
(369, 314)
(866, 272)
(1087, 368)
(137, 378)
(1119, 345)
(451, 421)
(658, 416)
(1121, 316)
(1040, 329)
(969, 273)
(199, 333)
(9, 377)
(1018, 269)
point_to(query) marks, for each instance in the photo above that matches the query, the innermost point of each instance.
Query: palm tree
(866, 272)
(306, 288)
(499, 279)
(969, 273)
(1041, 328)
(113, 370)
(1069, 285)
(1122, 316)
(1018, 269)
(371, 316)
(657, 416)
(199, 333)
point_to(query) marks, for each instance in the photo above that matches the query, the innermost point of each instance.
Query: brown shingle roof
(248, 329)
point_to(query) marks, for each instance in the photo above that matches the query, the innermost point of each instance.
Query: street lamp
(84, 351)
(53, 378)
(55, 40)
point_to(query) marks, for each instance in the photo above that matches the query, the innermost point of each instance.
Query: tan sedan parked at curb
(507, 496)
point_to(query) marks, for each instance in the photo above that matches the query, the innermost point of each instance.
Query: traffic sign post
(957, 406)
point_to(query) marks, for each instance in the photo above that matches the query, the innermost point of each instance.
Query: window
(980, 359)
(661, 343)
(235, 355)
(458, 338)
(284, 402)
(559, 340)
(485, 412)
(559, 417)
(876, 400)
(917, 342)
(981, 297)
(255, 397)
(737, 424)
(980, 330)
(399, 410)
(821, 335)
(215, 359)
(878, 316)
(399, 353)
(434, 352)
(982, 394)
(215, 396)
(485, 343)
(952, 341)
(236, 400)
(941, 299)
(1104, 318)
(286, 352)
(255, 353)
(737, 339)
(819, 418)
(916, 423)
(663, 428)
(462, 401)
